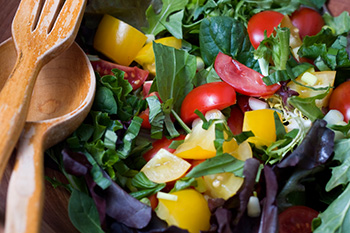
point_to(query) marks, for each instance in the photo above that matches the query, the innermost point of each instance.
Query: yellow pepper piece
(190, 211)
(262, 124)
(118, 40)
(199, 144)
(324, 79)
(145, 57)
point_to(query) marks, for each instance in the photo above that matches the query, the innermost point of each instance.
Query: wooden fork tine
(47, 17)
(24, 18)
(72, 11)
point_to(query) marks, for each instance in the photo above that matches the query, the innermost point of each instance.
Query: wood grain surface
(55, 211)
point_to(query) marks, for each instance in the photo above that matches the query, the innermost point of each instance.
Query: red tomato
(216, 95)
(146, 88)
(308, 21)
(163, 143)
(235, 121)
(243, 103)
(340, 100)
(154, 201)
(243, 79)
(145, 117)
(134, 75)
(296, 219)
(261, 22)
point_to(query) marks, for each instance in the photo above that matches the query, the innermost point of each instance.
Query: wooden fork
(41, 30)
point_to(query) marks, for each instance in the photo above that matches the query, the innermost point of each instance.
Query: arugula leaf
(83, 213)
(341, 173)
(170, 17)
(340, 24)
(175, 71)
(227, 35)
(307, 105)
(336, 217)
(218, 164)
(184, 183)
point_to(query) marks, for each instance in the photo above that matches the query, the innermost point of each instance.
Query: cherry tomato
(146, 88)
(308, 21)
(261, 22)
(340, 100)
(154, 201)
(243, 79)
(145, 117)
(134, 75)
(216, 95)
(235, 121)
(243, 103)
(163, 143)
(296, 219)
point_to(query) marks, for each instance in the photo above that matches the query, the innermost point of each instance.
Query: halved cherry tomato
(134, 75)
(296, 219)
(340, 100)
(243, 79)
(235, 121)
(308, 21)
(261, 22)
(163, 143)
(216, 95)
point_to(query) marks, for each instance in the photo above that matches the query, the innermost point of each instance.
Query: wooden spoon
(62, 98)
(41, 31)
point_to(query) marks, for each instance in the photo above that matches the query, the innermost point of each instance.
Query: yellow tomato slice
(118, 40)
(222, 185)
(323, 79)
(262, 124)
(165, 167)
(145, 56)
(190, 211)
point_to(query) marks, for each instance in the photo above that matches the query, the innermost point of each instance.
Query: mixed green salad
(212, 116)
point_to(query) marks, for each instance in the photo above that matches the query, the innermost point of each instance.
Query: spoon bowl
(62, 98)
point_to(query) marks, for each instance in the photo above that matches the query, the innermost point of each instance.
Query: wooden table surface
(7, 11)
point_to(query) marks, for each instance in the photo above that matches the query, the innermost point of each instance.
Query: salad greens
(307, 165)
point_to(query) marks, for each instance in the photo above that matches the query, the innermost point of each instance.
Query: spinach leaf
(218, 164)
(175, 71)
(170, 18)
(227, 35)
(83, 213)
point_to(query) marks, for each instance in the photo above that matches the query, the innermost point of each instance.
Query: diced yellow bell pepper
(146, 58)
(262, 124)
(323, 79)
(118, 40)
(189, 211)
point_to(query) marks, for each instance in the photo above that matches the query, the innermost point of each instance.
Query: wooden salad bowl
(56, 201)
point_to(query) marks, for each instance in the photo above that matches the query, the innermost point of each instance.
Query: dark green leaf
(218, 164)
(83, 213)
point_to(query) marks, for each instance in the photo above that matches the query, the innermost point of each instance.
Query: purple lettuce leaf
(315, 149)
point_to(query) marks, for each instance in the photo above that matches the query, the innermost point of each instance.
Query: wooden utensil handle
(25, 195)
(14, 105)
